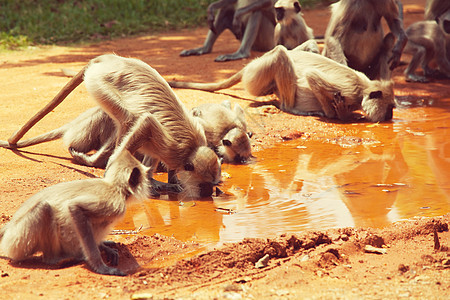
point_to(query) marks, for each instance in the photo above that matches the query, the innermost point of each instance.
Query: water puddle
(386, 173)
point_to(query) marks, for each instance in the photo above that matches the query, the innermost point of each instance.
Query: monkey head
(444, 22)
(126, 168)
(235, 146)
(200, 173)
(284, 8)
(378, 101)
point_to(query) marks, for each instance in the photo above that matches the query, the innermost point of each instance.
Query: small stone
(372, 249)
(263, 262)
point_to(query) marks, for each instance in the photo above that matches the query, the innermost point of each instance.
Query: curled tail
(66, 90)
(210, 87)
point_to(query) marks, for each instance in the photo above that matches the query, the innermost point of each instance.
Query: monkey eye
(226, 143)
(376, 94)
(189, 167)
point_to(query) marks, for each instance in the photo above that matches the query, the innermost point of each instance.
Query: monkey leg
(91, 250)
(273, 70)
(379, 68)
(224, 20)
(99, 159)
(250, 34)
(418, 58)
(333, 50)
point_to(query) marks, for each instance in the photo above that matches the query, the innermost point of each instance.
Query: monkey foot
(416, 78)
(228, 57)
(195, 51)
(158, 188)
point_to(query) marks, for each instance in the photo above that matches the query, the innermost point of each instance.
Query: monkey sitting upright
(428, 40)
(354, 36)
(291, 29)
(69, 220)
(251, 21)
(225, 130)
(308, 83)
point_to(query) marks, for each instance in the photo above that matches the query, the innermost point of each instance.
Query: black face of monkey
(280, 13)
(206, 189)
(389, 113)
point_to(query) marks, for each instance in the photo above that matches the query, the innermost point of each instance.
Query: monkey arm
(323, 90)
(211, 12)
(395, 24)
(85, 232)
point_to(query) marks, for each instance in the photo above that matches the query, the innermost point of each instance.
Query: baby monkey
(70, 220)
(225, 130)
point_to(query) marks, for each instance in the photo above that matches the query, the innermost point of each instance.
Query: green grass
(28, 22)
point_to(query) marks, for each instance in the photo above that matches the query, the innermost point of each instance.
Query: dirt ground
(335, 264)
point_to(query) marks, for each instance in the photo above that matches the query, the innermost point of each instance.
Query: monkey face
(283, 6)
(200, 173)
(378, 105)
(235, 147)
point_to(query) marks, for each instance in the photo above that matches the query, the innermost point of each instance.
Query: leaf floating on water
(186, 204)
(377, 124)
(225, 210)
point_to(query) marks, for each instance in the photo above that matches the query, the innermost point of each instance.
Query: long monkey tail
(66, 90)
(210, 87)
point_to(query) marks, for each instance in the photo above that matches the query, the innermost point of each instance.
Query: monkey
(91, 130)
(427, 40)
(434, 9)
(354, 36)
(291, 29)
(128, 89)
(308, 83)
(225, 130)
(70, 220)
(251, 21)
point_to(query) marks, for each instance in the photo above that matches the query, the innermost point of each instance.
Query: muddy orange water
(386, 172)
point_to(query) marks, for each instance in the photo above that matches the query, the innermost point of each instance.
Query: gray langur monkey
(355, 37)
(427, 40)
(91, 130)
(146, 111)
(435, 9)
(251, 21)
(308, 83)
(69, 220)
(291, 29)
(225, 130)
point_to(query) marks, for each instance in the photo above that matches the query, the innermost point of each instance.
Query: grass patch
(27, 22)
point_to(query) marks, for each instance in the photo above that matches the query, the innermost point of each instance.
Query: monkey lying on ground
(291, 29)
(427, 41)
(128, 89)
(69, 220)
(251, 21)
(308, 83)
(354, 36)
(225, 130)
(91, 130)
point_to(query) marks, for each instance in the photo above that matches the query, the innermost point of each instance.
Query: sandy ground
(327, 264)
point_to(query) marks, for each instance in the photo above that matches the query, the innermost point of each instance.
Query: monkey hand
(341, 108)
(105, 270)
(112, 255)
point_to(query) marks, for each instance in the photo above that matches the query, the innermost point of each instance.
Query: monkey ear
(250, 134)
(226, 143)
(227, 104)
(135, 177)
(196, 112)
(189, 166)
(375, 95)
(297, 7)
